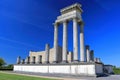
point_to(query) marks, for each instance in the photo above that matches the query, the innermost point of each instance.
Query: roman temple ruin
(58, 60)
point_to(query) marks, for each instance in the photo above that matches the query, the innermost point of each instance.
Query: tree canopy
(2, 62)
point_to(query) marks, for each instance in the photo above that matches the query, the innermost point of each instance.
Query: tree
(10, 66)
(2, 62)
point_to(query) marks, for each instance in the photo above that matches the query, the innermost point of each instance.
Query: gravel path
(66, 77)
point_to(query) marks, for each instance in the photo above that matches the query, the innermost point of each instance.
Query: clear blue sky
(27, 25)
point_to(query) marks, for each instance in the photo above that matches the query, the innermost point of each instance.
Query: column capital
(81, 23)
(47, 45)
(75, 18)
(92, 51)
(65, 21)
(87, 47)
(56, 24)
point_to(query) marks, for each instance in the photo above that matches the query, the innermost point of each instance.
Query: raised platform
(85, 69)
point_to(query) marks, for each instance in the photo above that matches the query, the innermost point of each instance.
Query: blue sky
(27, 25)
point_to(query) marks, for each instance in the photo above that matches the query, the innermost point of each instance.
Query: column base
(46, 62)
(64, 61)
(75, 61)
(32, 63)
(27, 63)
(55, 62)
(83, 62)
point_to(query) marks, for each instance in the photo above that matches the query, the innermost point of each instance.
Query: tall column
(32, 59)
(18, 60)
(75, 40)
(88, 53)
(27, 60)
(95, 59)
(47, 53)
(55, 42)
(82, 53)
(23, 61)
(40, 58)
(64, 52)
(99, 60)
(91, 55)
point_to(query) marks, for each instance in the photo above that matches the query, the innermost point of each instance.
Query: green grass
(116, 70)
(5, 76)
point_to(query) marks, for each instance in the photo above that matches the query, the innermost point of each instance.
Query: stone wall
(51, 55)
(88, 69)
(109, 69)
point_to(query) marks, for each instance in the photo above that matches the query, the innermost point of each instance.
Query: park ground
(10, 76)
(27, 76)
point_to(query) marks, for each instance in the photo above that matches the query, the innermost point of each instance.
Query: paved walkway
(65, 77)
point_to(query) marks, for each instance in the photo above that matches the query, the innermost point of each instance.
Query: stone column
(82, 53)
(23, 61)
(27, 60)
(88, 53)
(47, 53)
(98, 60)
(75, 40)
(95, 59)
(18, 60)
(55, 43)
(64, 50)
(33, 60)
(92, 55)
(40, 59)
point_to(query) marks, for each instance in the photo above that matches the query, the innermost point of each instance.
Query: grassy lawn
(5, 76)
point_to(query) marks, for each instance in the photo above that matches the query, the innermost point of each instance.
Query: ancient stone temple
(58, 60)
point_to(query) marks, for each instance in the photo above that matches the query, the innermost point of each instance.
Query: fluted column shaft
(64, 52)
(47, 53)
(75, 40)
(33, 60)
(18, 60)
(55, 42)
(27, 60)
(39, 59)
(88, 53)
(91, 55)
(82, 53)
(23, 61)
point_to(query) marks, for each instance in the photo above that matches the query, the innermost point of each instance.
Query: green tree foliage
(10, 66)
(116, 70)
(2, 62)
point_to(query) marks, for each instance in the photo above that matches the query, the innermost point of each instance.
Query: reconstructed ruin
(58, 60)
